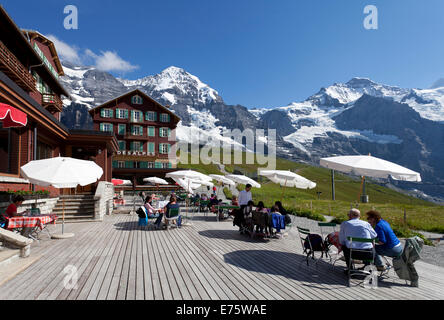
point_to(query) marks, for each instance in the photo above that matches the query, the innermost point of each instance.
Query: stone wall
(103, 200)
(45, 205)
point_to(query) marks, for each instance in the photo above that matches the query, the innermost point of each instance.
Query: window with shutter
(151, 131)
(122, 129)
(151, 147)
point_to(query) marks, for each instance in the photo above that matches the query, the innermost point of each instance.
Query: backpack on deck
(317, 243)
(141, 213)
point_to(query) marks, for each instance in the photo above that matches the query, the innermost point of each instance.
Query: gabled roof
(35, 34)
(144, 95)
(14, 38)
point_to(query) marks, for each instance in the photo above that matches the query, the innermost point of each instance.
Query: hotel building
(145, 131)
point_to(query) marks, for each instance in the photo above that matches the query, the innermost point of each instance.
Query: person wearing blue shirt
(388, 245)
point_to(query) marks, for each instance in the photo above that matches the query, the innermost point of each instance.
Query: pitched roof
(24, 51)
(144, 95)
(35, 34)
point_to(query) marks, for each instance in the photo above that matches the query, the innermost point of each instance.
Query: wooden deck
(209, 260)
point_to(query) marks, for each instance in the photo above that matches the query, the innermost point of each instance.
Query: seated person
(283, 212)
(171, 205)
(261, 223)
(357, 228)
(275, 210)
(234, 202)
(388, 245)
(204, 197)
(213, 201)
(11, 211)
(149, 206)
(248, 215)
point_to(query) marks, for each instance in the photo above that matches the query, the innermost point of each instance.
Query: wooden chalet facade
(145, 132)
(29, 72)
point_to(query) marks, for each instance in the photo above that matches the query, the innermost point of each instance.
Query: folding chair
(322, 226)
(173, 215)
(360, 254)
(304, 236)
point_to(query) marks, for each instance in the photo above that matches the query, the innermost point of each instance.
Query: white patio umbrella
(222, 179)
(62, 173)
(186, 185)
(155, 180)
(189, 174)
(368, 166)
(288, 179)
(239, 179)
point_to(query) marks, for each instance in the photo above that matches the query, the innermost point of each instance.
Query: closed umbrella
(62, 173)
(368, 166)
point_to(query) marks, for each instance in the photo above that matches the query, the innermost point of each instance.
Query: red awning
(11, 117)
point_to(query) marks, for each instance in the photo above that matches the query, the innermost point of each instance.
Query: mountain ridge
(322, 125)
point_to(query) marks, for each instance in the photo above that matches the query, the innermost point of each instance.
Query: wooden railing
(52, 100)
(12, 67)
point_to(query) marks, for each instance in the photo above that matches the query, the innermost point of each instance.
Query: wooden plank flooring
(209, 260)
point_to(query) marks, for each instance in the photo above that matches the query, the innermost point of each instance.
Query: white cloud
(65, 51)
(110, 61)
(105, 61)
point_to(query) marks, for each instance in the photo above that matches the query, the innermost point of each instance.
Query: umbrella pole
(360, 190)
(63, 223)
(283, 190)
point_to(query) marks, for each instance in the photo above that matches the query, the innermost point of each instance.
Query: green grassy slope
(421, 215)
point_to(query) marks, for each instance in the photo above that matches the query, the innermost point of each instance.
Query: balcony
(51, 101)
(129, 136)
(12, 67)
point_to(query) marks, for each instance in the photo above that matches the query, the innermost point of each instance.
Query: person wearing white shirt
(245, 196)
(356, 228)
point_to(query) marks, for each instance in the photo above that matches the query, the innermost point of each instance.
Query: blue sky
(257, 53)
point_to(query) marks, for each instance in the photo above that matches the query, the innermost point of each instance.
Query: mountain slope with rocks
(358, 117)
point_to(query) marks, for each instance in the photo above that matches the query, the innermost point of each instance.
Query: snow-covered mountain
(324, 124)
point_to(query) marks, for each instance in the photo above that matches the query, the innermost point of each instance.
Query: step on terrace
(78, 208)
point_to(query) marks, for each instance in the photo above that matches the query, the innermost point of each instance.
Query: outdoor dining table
(32, 222)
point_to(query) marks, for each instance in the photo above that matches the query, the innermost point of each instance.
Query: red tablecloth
(31, 222)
